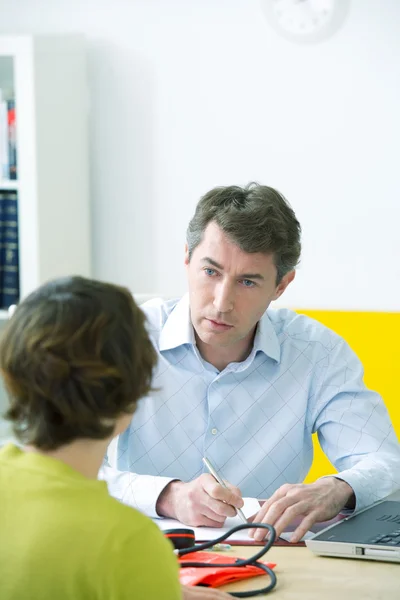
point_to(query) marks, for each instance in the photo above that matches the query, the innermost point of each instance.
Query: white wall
(189, 94)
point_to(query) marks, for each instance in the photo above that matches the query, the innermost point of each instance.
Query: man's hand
(315, 502)
(198, 593)
(202, 501)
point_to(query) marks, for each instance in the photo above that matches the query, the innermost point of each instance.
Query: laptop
(373, 534)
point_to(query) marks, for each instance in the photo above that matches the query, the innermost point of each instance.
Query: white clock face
(306, 20)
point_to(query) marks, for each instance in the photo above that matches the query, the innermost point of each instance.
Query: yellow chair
(375, 338)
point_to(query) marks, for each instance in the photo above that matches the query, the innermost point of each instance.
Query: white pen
(221, 482)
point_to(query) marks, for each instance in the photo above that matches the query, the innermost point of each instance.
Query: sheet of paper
(204, 534)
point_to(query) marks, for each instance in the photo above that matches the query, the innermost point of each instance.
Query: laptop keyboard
(389, 539)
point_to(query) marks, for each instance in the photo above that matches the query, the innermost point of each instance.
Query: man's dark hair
(74, 356)
(256, 218)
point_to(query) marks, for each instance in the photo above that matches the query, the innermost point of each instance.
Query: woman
(76, 358)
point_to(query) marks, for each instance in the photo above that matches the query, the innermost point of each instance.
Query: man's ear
(284, 282)
(186, 255)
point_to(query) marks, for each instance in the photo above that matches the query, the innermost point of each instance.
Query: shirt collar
(178, 330)
(266, 339)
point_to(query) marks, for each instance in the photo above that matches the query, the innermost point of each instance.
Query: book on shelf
(4, 161)
(12, 139)
(9, 249)
(8, 138)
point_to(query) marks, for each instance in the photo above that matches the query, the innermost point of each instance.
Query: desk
(303, 576)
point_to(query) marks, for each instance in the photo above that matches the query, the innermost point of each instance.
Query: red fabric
(215, 576)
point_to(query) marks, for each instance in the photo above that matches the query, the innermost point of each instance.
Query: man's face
(229, 289)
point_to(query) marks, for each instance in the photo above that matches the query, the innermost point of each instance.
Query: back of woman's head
(74, 356)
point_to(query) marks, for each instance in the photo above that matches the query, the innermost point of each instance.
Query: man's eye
(210, 272)
(248, 283)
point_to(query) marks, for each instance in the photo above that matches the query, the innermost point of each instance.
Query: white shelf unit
(8, 184)
(48, 79)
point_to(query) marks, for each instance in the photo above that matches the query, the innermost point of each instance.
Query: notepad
(205, 534)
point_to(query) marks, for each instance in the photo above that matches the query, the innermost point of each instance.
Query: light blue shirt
(253, 420)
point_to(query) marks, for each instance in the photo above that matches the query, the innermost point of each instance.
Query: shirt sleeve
(138, 491)
(354, 428)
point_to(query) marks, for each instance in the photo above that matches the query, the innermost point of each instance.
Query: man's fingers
(287, 517)
(259, 517)
(277, 495)
(278, 508)
(227, 495)
(270, 516)
(233, 488)
(304, 526)
(219, 511)
(312, 502)
(230, 495)
(259, 533)
(293, 511)
(207, 522)
(197, 517)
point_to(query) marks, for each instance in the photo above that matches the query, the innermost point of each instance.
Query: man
(247, 387)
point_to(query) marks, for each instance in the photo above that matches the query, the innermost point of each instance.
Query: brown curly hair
(74, 357)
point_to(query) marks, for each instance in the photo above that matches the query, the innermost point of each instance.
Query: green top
(62, 537)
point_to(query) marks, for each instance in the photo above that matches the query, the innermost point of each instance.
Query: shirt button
(214, 431)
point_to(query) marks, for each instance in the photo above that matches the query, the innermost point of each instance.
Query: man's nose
(224, 298)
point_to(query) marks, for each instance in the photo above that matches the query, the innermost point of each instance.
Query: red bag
(215, 576)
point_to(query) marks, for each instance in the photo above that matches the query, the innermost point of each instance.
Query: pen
(221, 482)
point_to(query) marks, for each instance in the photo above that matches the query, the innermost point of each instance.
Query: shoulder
(294, 328)
(157, 311)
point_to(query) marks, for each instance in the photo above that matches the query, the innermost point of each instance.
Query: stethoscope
(182, 537)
